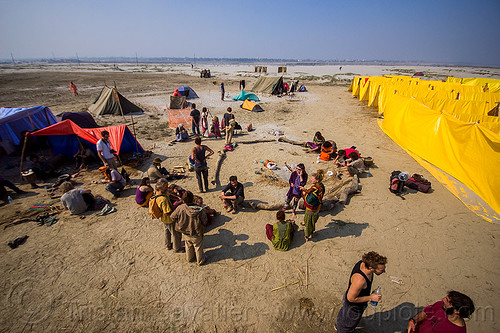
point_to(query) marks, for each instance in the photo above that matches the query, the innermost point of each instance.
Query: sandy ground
(113, 273)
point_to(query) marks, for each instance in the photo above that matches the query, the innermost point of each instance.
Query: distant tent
(418, 74)
(251, 106)
(188, 92)
(244, 96)
(109, 102)
(269, 85)
(82, 118)
(14, 121)
(65, 136)
(302, 88)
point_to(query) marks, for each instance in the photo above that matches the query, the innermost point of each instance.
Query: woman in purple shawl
(298, 180)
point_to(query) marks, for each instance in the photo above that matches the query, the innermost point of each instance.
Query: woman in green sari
(280, 233)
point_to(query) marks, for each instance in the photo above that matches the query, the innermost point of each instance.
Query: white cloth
(104, 148)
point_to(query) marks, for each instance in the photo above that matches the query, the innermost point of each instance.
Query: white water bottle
(377, 291)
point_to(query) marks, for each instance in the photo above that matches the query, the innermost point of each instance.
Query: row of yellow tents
(452, 128)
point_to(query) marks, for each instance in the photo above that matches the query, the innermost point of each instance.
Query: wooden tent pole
(23, 152)
(131, 117)
(118, 100)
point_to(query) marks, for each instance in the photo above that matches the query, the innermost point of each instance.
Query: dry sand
(114, 274)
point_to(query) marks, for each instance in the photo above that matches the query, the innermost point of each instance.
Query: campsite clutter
(323, 193)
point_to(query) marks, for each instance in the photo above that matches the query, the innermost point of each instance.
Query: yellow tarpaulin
(465, 151)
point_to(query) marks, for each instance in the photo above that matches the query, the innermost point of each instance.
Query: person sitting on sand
(297, 181)
(181, 134)
(116, 182)
(211, 213)
(280, 233)
(175, 193)
(84, 156)
(328, 149)
(315, 145)
(144, 192)
(232, 195)
(3, 192)
(343, 154)
(42, 168)
(354, 165)
(76, 200)
(156, 171)
(313, 198)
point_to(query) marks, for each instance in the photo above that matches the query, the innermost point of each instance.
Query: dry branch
(215, 179)
(297, 143)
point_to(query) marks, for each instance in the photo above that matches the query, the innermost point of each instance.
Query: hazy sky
(441, 31)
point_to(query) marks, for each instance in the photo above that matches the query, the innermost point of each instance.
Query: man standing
(230, 123)
(232, 195)
(172, 237)
(195, 122)
(358, 293)
(198, 155)
(222, 90)
(446, 315)
(191, 220)
(106, 154)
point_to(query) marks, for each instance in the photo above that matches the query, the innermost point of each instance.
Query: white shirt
(105, 149)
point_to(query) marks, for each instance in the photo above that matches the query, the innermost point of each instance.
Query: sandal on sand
(229, 210)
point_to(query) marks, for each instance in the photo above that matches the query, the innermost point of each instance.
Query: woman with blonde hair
(313, 198)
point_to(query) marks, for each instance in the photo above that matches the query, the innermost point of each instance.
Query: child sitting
(209, 211)
(315, 146)
(175, 193)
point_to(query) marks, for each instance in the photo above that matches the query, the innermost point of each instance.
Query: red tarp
(92, 135)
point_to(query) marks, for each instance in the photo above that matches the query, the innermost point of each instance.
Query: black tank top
(200, 156)
(363, 292)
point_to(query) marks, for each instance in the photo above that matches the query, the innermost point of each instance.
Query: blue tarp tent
(244, 96)
(13, 121)
(188, 92)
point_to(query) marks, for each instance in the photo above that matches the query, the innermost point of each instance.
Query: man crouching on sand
(232, 195)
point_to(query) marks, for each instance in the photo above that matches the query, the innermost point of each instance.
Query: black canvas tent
(110, 101)
(82, 118)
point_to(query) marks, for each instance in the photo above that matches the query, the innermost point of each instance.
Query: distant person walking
(198, 155)
(73, 88)
(222, 91)
(242, 84)
(195, 122)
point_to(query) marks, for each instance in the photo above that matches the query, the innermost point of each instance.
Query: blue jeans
(196, 129)
(114, 188)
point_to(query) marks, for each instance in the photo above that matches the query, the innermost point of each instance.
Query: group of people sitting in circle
(349, 158)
